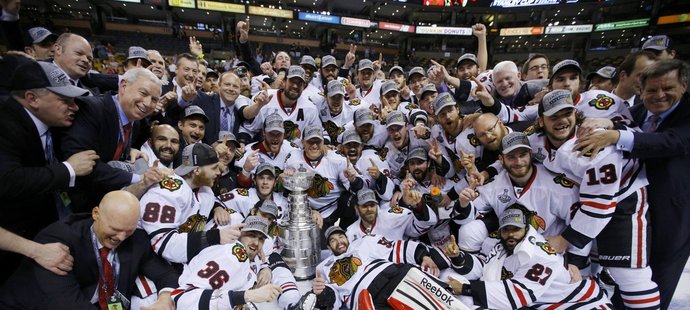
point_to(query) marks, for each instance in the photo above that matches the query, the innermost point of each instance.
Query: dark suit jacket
(98, 83)
(173, 112)
(96, 127)
(666, 155)
(211, 106)
(33, 287)
(27, 181)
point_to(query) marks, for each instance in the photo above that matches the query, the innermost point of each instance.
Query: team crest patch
(355, 102)
(333, 130)
(473, 140)
(563, 181)
(291, 130)
(385, 242)
(320, 187)
(239, 252)
(243, 192)
(171, 184)
(537, 222)
(343, 269)
(494, 235)
(529, 130)
(505, 274)
(396, 210)
(382, 153)
(544, 246)
(411, 106)
(601, 102)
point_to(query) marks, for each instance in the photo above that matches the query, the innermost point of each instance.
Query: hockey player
(372, 132)
(336, 113)
(369, 88)
(522, 271)
(613, 202)
(368, 160)
(392, 223)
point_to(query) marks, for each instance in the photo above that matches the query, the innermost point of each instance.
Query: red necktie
(126, 129)
(104, 293)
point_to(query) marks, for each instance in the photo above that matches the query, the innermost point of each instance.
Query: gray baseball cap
(308, 60)
(265, 166)
(395, 68)
(136, 52)
(512, 217)
(256, 223)
(417, 153)
(657, 43)
(428, 88)
(332, 230)
(418, 114)
(388, 87)
(222, 135)
(196, 155)
(351, 135)
(40, 34)
(296, 71)
(568, 63)
(467, 56)
(328, 60)
(364, 116)
(274, 122)
(415, 70)
(365, 64)
(395, 118)
(193, 110)
(365, 195)
(443, 100)
(605, 72)
(41, 74)
(312, 132)
(335, 87)
(267, 206)
(514, 140)
(555, 101)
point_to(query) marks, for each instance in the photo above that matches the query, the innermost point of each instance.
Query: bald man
(72, 54)
(163, 145)
(106, 245)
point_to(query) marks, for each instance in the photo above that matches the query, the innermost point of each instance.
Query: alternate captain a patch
(171, 184)
(343, 269)
(239, 252)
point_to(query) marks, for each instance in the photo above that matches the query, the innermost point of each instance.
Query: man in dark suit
(109, 253)
(108, 124)
(30, 176)
(223, 109)
(627, 76)
(664, 147)
(180, 93)
(74, 56)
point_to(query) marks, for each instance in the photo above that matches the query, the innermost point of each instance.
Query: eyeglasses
(490, 130)
(537, 68)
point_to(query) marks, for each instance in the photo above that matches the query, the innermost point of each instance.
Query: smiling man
(72, 54)
(163, 145)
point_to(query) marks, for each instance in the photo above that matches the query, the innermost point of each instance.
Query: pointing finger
(373, 164)
(155, 163)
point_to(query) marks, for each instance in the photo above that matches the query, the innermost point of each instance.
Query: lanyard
(115, 264)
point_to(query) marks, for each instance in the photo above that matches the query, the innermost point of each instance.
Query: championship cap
(335, 87)
(512, 217)
(267, 206)
(657, 43)
(308, 60)
(40, 34)
(428, 88)
(443, 100)
(328, 60)
(312, 132)
(274, 122)
(41, 74)
(365, 195)
(364, 116)
(568, 63)
(415, 70)
(388, 87)
(365, 64)
(193, 110)
(605, 72)
(417, 153)
(555, 101)
(229, 135)
(418, 115)
(395, 118)
(256, 223)
(395, 68)
(138, 52)
(196, 155)
(296, 71)
(467, 56)
(332, 230)
(263, 167)
(514, 140)
(351, 135)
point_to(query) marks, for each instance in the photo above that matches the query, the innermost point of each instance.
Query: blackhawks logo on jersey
(355, 102)
(194, 223)
(563, 181)
(537, 221)
(396, 210)
(382, 153)
(473, 140)
(544, 246)
(291, 130)
(320, 187)
(239, 252)
(529, 130)
(343, 269)
(242, 191)
(505, 274)
(601, 102)
(171, 184)
(333, 130)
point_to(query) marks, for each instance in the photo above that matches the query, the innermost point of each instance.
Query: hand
(429, 266)
(195, 47)
(377, 64)
(435, 152)
(435, 75)
(11, 6)
(317, 218)
(480, 92)
(592, 123)
(410, 196)
(265, 293)
(437, 180)
(82, 163)
(539, 96)
(318, 284)
(558, 243)
(54, 257)
(420, 131)
(467, 161)
(267, 69)
(264, 277)
(165, 100)
(153, 175)
(596, 141)
(251, 162)
(575, 275)
(385, 109)
(405, 92)
(262, 98)
(239, 152)
(350, 57)
(469, 193)
(221, 216)
(479, 30)
(373, 170)
(189, 92)
(350, 89)
(135, 154)
(394, 199)
(455, 286)
(264, 85)
(442, 71)
(164, 302)
(230, 234)
(243, 30)
(350, 172)
(468, 120)
(222, 149)
(452, 249)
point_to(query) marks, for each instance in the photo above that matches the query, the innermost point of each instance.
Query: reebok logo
(437, 291)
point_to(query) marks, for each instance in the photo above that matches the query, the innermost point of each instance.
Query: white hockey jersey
(373, 95)
(335, 124)
(364, 162)
(276, 160)
(243, 200)
(394, 224)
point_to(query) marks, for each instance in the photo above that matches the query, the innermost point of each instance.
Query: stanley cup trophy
(302, 237)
